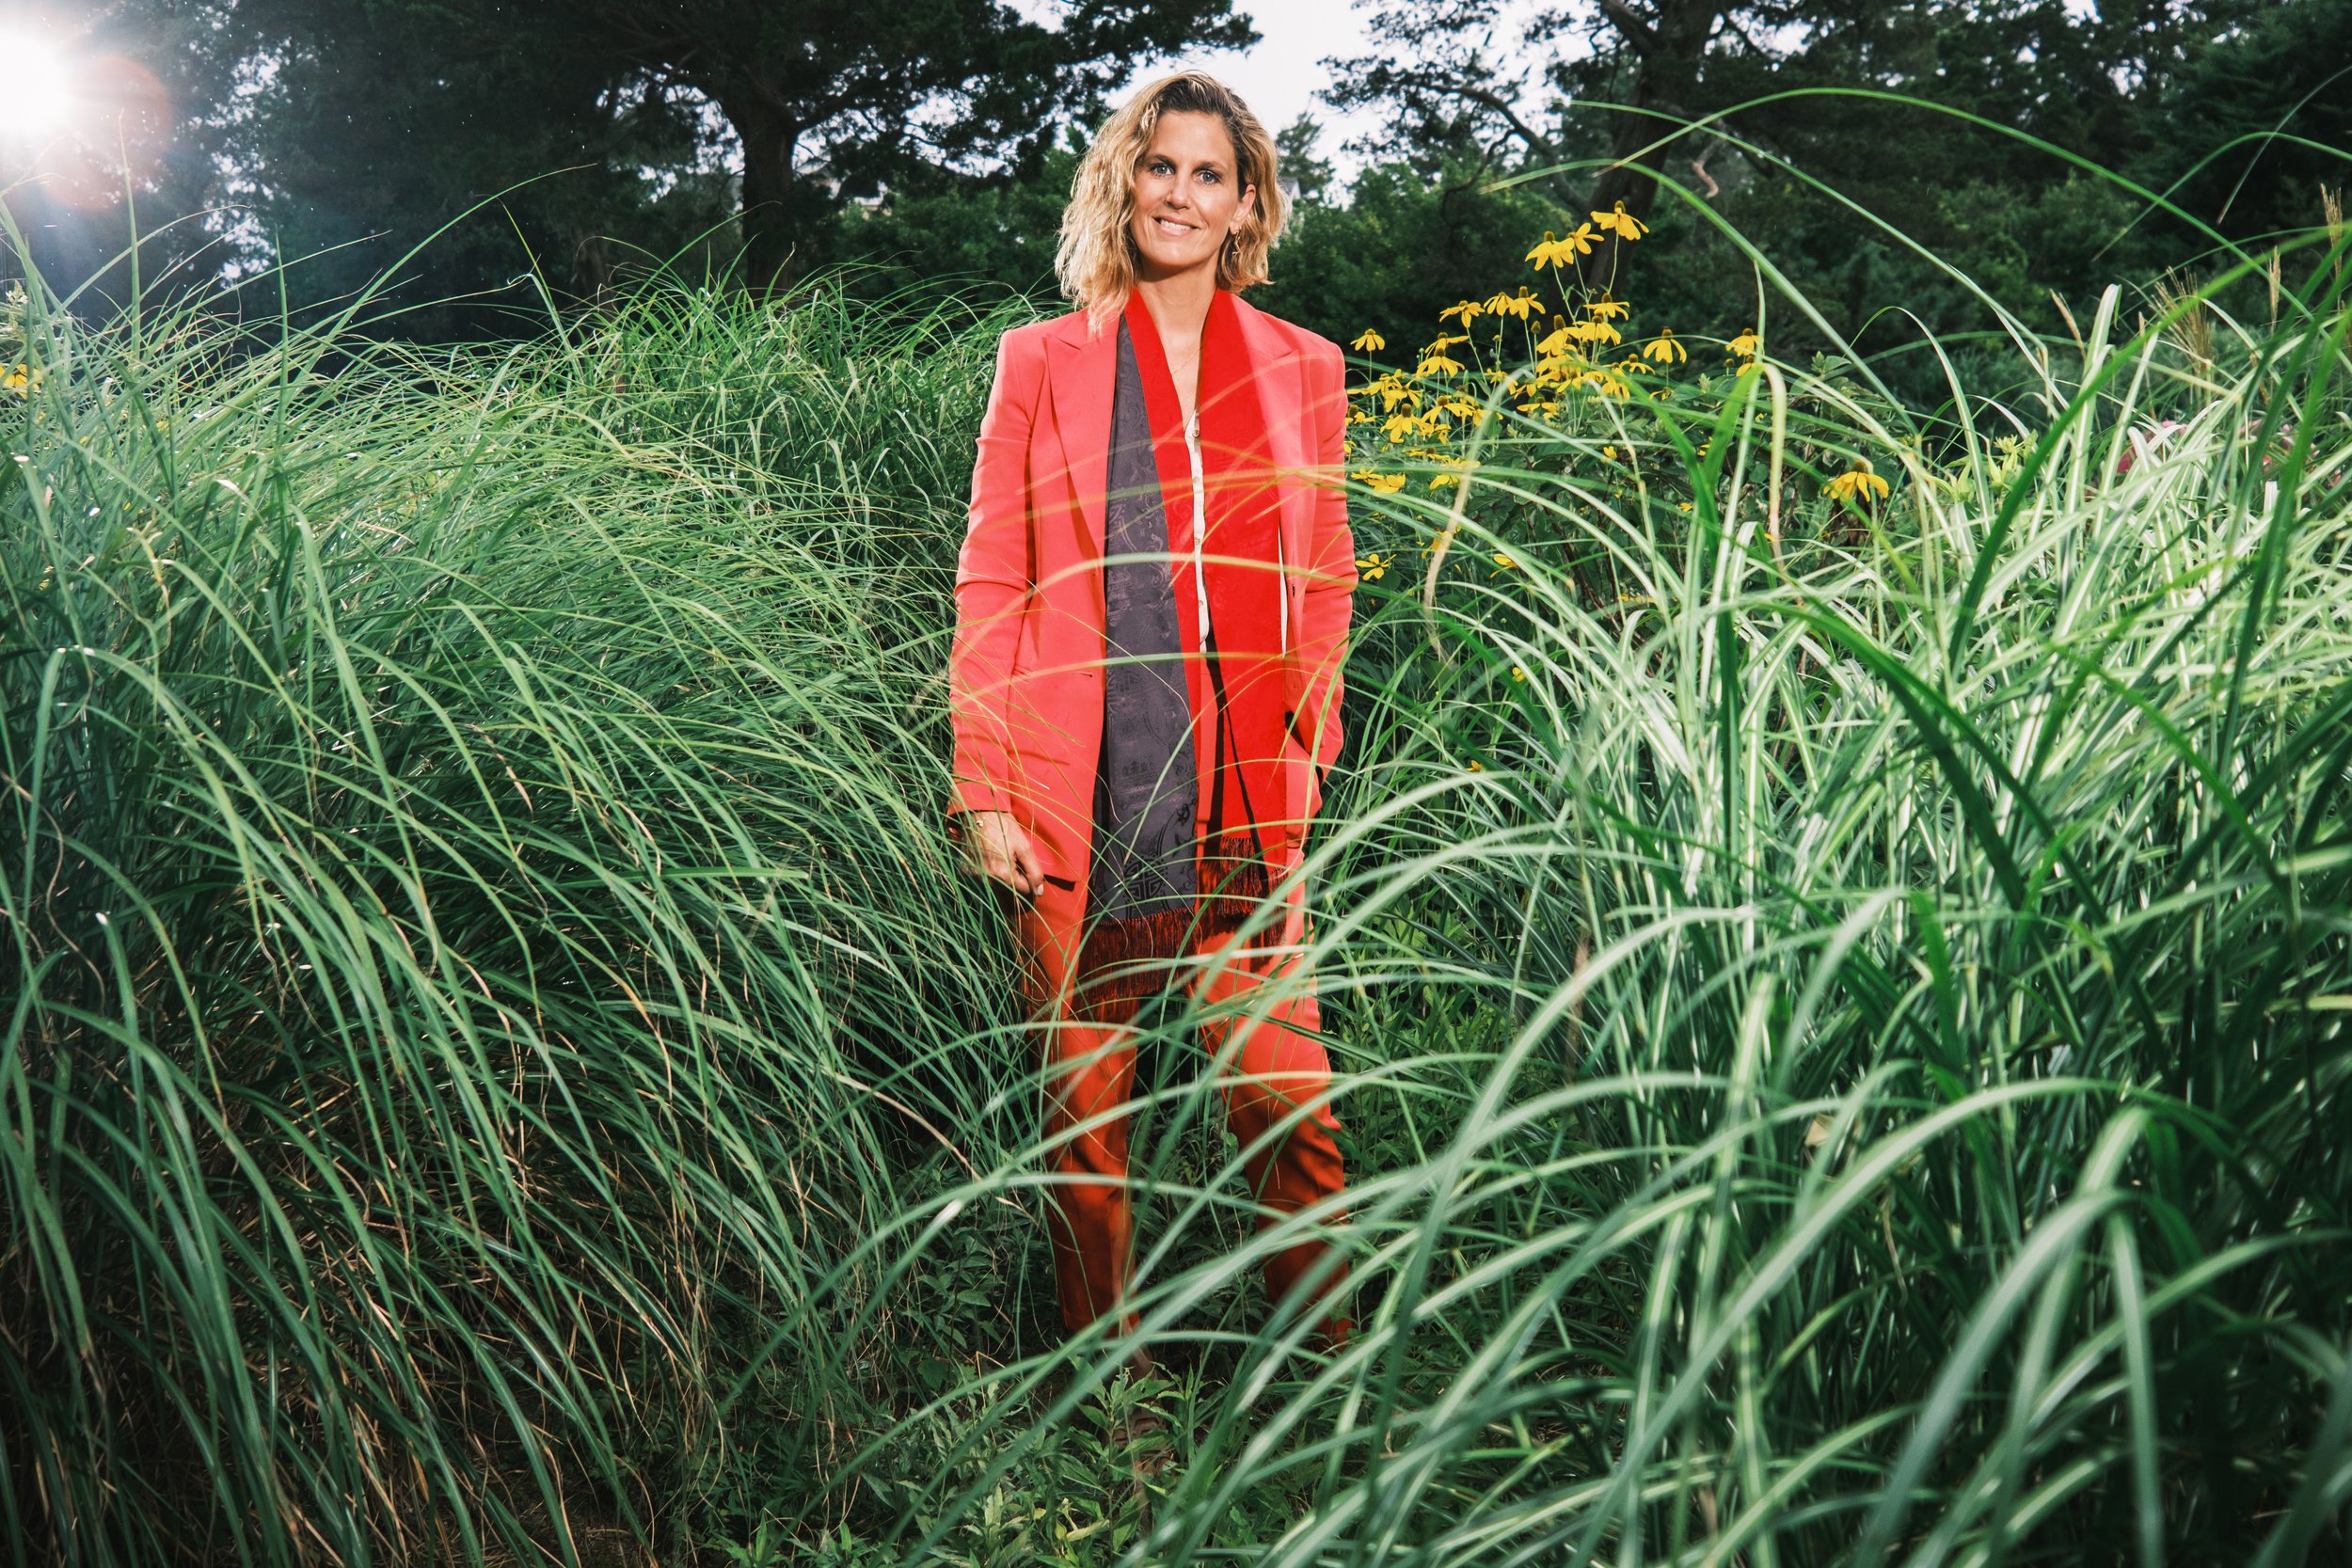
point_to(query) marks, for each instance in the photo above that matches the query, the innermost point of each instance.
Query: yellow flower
(1608, 454)
(1596, 331)
(1439, 363)
(1621, 223)
(1522, 304)
(1608, 310)
(1666, 351)
(1467, 311)
(1399, 426)
(1472, 767)
(1857, 483)
(1370, 567)
(1517, 674)
(1379, 484)
(1556, 345)
(1371, 342)
(1745, 345)
(1553, 252)
(1462, 409)
(1607, 386)
(1504, 563)
(20, 379)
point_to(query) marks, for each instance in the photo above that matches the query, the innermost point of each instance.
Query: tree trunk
(770, 136)
(1667, 56)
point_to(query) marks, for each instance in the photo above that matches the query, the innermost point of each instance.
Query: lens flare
(35, 98)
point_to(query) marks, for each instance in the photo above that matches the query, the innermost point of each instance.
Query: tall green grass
(502, 1062)
(469, 863)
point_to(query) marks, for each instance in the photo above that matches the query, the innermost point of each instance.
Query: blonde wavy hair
(1096, 257)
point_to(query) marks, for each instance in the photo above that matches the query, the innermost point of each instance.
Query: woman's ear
(1244, 210)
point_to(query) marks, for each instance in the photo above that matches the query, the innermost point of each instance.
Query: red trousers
(1265, 1040)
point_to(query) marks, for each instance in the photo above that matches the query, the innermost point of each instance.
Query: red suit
(1026, 680)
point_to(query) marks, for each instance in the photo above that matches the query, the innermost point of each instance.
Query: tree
(390, 116)
(1448, 66)
(880, 87)
(2089, 82)
(1294, 154)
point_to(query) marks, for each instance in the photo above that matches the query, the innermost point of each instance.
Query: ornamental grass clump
(468, 857)
(1893, 943)
(1840, 990)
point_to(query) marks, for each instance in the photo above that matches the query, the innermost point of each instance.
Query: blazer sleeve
(992, 583)
(1330, 588)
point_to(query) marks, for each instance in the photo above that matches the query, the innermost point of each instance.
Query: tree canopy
(1882, 152)
(652, 121)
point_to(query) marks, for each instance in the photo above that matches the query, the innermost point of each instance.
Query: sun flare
(34, 97)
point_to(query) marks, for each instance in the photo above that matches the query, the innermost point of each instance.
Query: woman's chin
(1156, 265)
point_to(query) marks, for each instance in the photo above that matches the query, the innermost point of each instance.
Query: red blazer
(1024, 672)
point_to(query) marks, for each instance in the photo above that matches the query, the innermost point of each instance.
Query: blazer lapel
(1283, 394)
(1081, 372)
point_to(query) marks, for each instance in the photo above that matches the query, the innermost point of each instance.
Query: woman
(1144, 709)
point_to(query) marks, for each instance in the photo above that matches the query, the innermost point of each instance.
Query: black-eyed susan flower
(1617, 221)
(1370, 342)
(1746, 346)
(1372, 568)
(1551, 252)
(1465, 312)
(1522, 304)
(1664, 350)
(1607, 309)
(1857, 484)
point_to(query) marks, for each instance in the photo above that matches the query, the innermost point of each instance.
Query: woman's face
(1188, 195)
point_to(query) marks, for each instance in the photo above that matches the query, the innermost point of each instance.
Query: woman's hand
(998, 848)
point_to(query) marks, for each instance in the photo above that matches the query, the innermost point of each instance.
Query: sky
(1280, 76)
